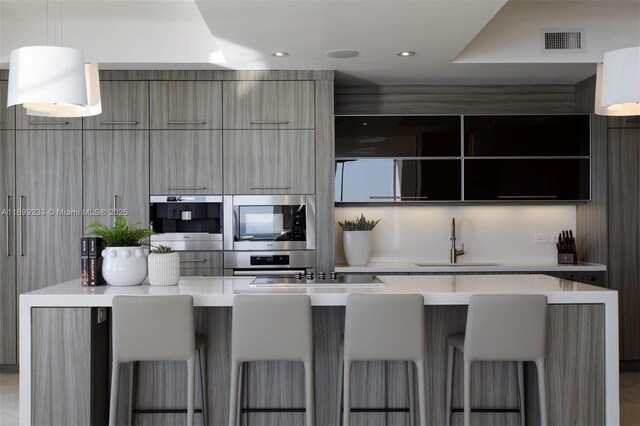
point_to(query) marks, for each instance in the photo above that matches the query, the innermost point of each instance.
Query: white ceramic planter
(124, 266)
(164, 269)
(357, 247)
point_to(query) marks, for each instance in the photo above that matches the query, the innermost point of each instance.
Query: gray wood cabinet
(116, 175)
(201, 263)
(269, 104)
(186, 162)
(269, 162)
(33, 122)
(186, 104)
(125, 105)
(7, 115)
(49, 188)
(624, 122)
(624, 234)
(8, 300)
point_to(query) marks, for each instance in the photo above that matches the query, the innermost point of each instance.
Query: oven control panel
(270, 260)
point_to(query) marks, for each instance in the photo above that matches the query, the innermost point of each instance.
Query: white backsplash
(489, 233)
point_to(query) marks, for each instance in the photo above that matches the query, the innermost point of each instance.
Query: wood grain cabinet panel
(49, 188)
(33, 122)
(8, 300)
(116, 175)
(7, 115)
(624, 122)
(200, 263)
(125, 105)
(269, 104)
(269, 162)
(186, 162)
(186, 104)
(624, 234)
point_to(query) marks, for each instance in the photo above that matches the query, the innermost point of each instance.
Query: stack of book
(91, 261)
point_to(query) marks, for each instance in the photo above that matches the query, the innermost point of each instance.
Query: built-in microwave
(187, 222)
(269, 222)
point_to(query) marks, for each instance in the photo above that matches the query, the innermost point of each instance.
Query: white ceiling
(457, 41)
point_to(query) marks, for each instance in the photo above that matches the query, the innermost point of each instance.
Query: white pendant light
(53, 81)
(618, 83)
(93, 106)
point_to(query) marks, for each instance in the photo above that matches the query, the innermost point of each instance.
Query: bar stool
(502, 328)
(385, 328)
(271, 328)
(156, 328)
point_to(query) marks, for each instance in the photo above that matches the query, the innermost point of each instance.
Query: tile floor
(629, 398)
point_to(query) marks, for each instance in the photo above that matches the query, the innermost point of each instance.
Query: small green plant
(120, 234)
(359, 224)
(162, 250)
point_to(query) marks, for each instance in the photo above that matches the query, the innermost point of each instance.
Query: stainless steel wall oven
(269, 234)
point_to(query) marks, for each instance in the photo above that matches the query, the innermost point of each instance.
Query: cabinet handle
(395, 197)
(532, 197)
(61, 123)
(186, 122)
(187, 188)
(269, 122)
(118, 122)
(270, 187)
(633, 120)
(8, 224)
(193, 261)
(21, 223)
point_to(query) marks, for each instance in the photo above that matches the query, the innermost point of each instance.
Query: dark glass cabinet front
(398, 136)
(475, 158)
(515, 179)
(527, 135)
(395, 180)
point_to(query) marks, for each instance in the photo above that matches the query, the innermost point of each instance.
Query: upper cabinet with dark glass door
(398, 159)
(527, 135)
(397, 136)
(527, 158)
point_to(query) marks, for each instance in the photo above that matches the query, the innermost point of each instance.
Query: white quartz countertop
(436, 289)
(485, 267)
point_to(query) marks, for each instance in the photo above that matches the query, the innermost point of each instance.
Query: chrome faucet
(454, 252)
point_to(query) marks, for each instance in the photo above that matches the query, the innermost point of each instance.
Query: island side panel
(575, 375)
(575, 368)
(61, 365)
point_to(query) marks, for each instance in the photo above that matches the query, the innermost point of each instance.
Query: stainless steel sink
(436, 265)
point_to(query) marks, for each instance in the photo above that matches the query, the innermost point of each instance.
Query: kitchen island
(64, 338)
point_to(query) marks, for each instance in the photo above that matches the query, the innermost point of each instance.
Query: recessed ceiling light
(279, 54)
(406, 53)
(342, 53)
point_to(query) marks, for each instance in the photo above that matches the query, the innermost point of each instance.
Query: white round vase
(124, 266)
(164, 269)
(357, 246)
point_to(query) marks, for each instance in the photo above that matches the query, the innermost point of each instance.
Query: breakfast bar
(65, 341)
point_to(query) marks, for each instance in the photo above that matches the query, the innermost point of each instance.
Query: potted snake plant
(356, 239)
(125, 258)
(164, 266)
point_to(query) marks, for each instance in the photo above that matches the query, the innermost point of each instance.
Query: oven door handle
(268, 273)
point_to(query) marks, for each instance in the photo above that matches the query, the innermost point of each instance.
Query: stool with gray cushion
(156, 328)
(385, 328)
(271, 328)
(502, 328)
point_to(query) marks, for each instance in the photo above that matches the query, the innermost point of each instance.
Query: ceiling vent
(563, 41)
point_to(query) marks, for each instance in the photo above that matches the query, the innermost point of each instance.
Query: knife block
(566, 258)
